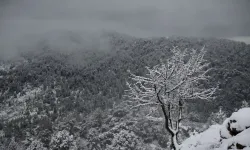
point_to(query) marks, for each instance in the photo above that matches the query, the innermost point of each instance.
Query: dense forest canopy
(93, 71)
(51, 85)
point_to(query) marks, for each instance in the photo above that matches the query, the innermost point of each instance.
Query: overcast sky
(220, 18)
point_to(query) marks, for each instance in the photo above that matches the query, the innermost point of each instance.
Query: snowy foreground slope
(234, 133)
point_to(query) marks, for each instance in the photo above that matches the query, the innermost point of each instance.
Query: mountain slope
(51, 90)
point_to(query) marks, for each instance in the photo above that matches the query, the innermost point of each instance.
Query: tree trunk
(169, 123)
(174, 143)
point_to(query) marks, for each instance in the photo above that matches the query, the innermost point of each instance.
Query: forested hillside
(48, 95)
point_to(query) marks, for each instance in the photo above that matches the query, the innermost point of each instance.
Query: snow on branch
(181, 75)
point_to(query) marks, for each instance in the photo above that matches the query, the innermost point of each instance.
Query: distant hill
(245, 39)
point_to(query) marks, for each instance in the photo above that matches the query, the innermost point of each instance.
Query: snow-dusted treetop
(183, 76)
(180, 77)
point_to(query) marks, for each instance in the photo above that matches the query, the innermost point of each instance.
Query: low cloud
(52, 19)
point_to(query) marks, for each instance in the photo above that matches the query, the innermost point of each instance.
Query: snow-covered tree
(170, 84)
(62, 140)
(125, 140)
(12, 145)
(244, 104)
(218, 117)
(36, 145)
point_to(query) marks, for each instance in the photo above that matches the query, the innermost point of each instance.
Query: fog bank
(23, 20)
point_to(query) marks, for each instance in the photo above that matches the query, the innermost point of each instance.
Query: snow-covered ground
(234, 133)
(205, 140)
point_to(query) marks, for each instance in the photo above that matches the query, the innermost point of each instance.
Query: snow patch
(240, 120)
(224, 133)
(204, 140)
(218, 137)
